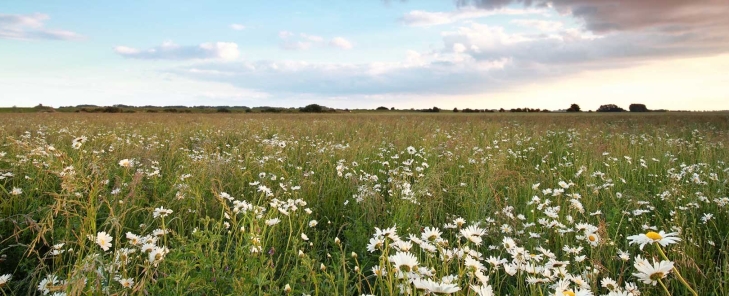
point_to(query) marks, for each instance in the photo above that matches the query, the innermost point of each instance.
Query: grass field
(364, 204)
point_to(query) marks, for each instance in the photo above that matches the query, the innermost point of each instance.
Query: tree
(382, 108)
(455, 110)
(638, 108)
(610, 108)
(574, 108)
(312, 108)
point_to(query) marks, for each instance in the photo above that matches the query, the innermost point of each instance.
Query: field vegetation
(364, 204)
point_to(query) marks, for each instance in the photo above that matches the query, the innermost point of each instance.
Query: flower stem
(678, 274)
(664, 287)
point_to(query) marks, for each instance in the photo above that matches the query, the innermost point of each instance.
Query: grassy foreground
(347, 204)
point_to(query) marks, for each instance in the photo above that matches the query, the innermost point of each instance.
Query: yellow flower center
(592, 238)
(653, 235)
(568, 293)
(657, 276)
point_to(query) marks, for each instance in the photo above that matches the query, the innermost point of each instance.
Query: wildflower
(126, 163)
(4, 279)
(651, 273)
(609, 284)
(411, 150)
(146, 248)
(272, 222)
(161, 212)
(431, 234)
(287, 288)
(593, 238)
(48, 283)
(654, 237)
(459, 222)
(375, 243)
(103, 239)
(564, 184)
(473, 263)
(304, 237)
(16, 191)
(473, 233)
(313, 223)
(483, 290)
(435, 287)
(404, 261)
(378, 271)
(156, 255)
(127, 283)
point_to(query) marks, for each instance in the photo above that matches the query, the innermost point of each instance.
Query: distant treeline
(311, 108)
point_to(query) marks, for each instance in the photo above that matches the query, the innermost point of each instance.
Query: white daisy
(650, 273)
(661, 237)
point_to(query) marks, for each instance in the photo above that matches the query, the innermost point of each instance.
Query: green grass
(627, 174)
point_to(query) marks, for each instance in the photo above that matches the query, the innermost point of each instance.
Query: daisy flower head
(651, 273)
(126, 283)
(650, 237)
(411, 150)
(4, 279)
(126, 163)
(404, 261)
(103, 239)
(431, 234)
(435, 287)
(16, 191)
(473, 233)
(161, 212)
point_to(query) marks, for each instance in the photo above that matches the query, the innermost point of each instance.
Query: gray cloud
(171, 51)
(601, 16)
(31, 27)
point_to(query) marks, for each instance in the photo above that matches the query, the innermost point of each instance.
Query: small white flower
(127, 283)
(4, 279)
(411, 150)
(103, 239)
(161, 212)
(126, 163)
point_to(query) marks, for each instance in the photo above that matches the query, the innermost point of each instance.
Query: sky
(666, 54)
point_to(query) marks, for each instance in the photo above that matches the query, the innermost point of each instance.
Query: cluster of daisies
(432, 262)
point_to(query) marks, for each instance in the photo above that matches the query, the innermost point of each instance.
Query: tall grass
(329, 204)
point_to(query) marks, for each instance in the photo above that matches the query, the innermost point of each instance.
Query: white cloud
(312, 38)
(340, 43)
(31, 27)
(237, 27)
(172, 51)
(296, 45)
(285, 34)
(302, 41)
(541, 25)
(421, 73)
(420, 18)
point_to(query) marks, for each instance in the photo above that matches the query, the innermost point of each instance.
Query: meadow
(364, 204)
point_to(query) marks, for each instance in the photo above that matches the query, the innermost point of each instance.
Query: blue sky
(364, 54)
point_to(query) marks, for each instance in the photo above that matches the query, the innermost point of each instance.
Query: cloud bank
(172, 51)
(420, 18)
(31, 27)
